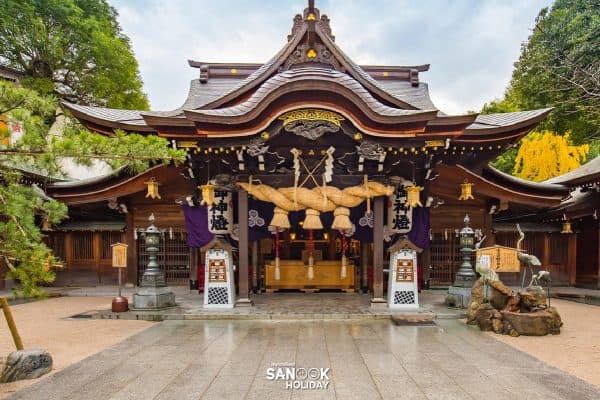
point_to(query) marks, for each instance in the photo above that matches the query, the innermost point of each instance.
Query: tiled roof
(415, 95)
(493, 122)
(315, 74)
(124, 117)
(589, 170)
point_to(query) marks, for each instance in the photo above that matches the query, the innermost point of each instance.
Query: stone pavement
(375, 359)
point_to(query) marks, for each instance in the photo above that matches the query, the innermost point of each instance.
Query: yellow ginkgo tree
(544, 155)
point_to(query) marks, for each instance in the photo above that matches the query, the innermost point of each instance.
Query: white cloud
(471, 45)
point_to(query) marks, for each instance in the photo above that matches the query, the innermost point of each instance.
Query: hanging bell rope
(277, 261)
(343, 271)
(311, 255)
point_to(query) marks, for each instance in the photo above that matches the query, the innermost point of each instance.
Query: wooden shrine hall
(310, 166)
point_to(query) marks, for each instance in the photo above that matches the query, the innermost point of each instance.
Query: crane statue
(528, 259)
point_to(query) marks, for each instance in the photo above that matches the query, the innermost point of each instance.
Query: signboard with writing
(399, 214)
(119, 255)
(220, 215)
(499, 258)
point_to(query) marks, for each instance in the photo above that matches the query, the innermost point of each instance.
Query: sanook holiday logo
(299, 378)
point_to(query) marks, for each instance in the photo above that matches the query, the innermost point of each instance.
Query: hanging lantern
(566, 227)
(152, 185)
(413, 196)
(208, 195)
(465, 191)
(46, 225)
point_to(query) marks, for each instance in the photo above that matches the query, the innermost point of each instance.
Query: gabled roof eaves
(500, 122)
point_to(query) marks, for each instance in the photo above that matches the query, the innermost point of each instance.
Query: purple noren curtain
(419, 234)
(196, 224)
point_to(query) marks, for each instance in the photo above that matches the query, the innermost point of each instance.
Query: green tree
(24, 208)
(74, 49)
(559, 67)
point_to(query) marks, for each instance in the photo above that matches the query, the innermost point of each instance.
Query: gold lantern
(152, 185)
(465, 191)
(566, 227)
(208, 195)
(46, 225)
(413, 196)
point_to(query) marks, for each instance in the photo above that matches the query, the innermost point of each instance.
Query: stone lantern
(459, 293)
(153, 293)
(465, 276)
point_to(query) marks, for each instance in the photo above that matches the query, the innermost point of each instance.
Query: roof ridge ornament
(312, 16)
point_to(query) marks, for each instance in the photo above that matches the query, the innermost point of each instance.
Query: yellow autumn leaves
(544, 155)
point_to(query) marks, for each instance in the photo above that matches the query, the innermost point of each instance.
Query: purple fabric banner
(419, 234)
(196, 224)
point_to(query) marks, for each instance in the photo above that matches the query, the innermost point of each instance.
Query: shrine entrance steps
(295, 306)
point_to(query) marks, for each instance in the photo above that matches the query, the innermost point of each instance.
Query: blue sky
(470, 44)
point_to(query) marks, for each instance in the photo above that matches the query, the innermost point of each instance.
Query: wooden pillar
(97, 249)
(243, 299)
(546, 253)
(364, 265)
(69, 256)
(572, 259)
(331, 254)
(255, 264)
(378, 300)
(132, 267)
(193, 268)
(598, 257)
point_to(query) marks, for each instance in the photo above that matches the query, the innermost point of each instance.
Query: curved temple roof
(232, 93)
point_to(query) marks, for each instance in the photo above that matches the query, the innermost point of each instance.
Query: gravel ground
(46, 324)
(576, 350)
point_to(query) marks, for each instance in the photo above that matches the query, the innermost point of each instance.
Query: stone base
(26, 364)
(458, 297)
(244, 302)
(378, 303)
(151, 298)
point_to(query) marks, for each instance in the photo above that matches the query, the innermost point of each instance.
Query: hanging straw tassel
(312, 220)
(277, 270)
(280, 218)
(341, 220)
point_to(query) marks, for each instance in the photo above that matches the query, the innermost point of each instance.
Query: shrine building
(310, 166)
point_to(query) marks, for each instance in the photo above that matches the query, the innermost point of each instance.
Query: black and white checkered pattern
(218, 295)
(404, 297)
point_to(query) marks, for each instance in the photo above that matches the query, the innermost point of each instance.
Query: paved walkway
(367, 360)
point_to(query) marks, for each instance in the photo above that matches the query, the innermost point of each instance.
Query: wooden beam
(378, 251)
(243, 299)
